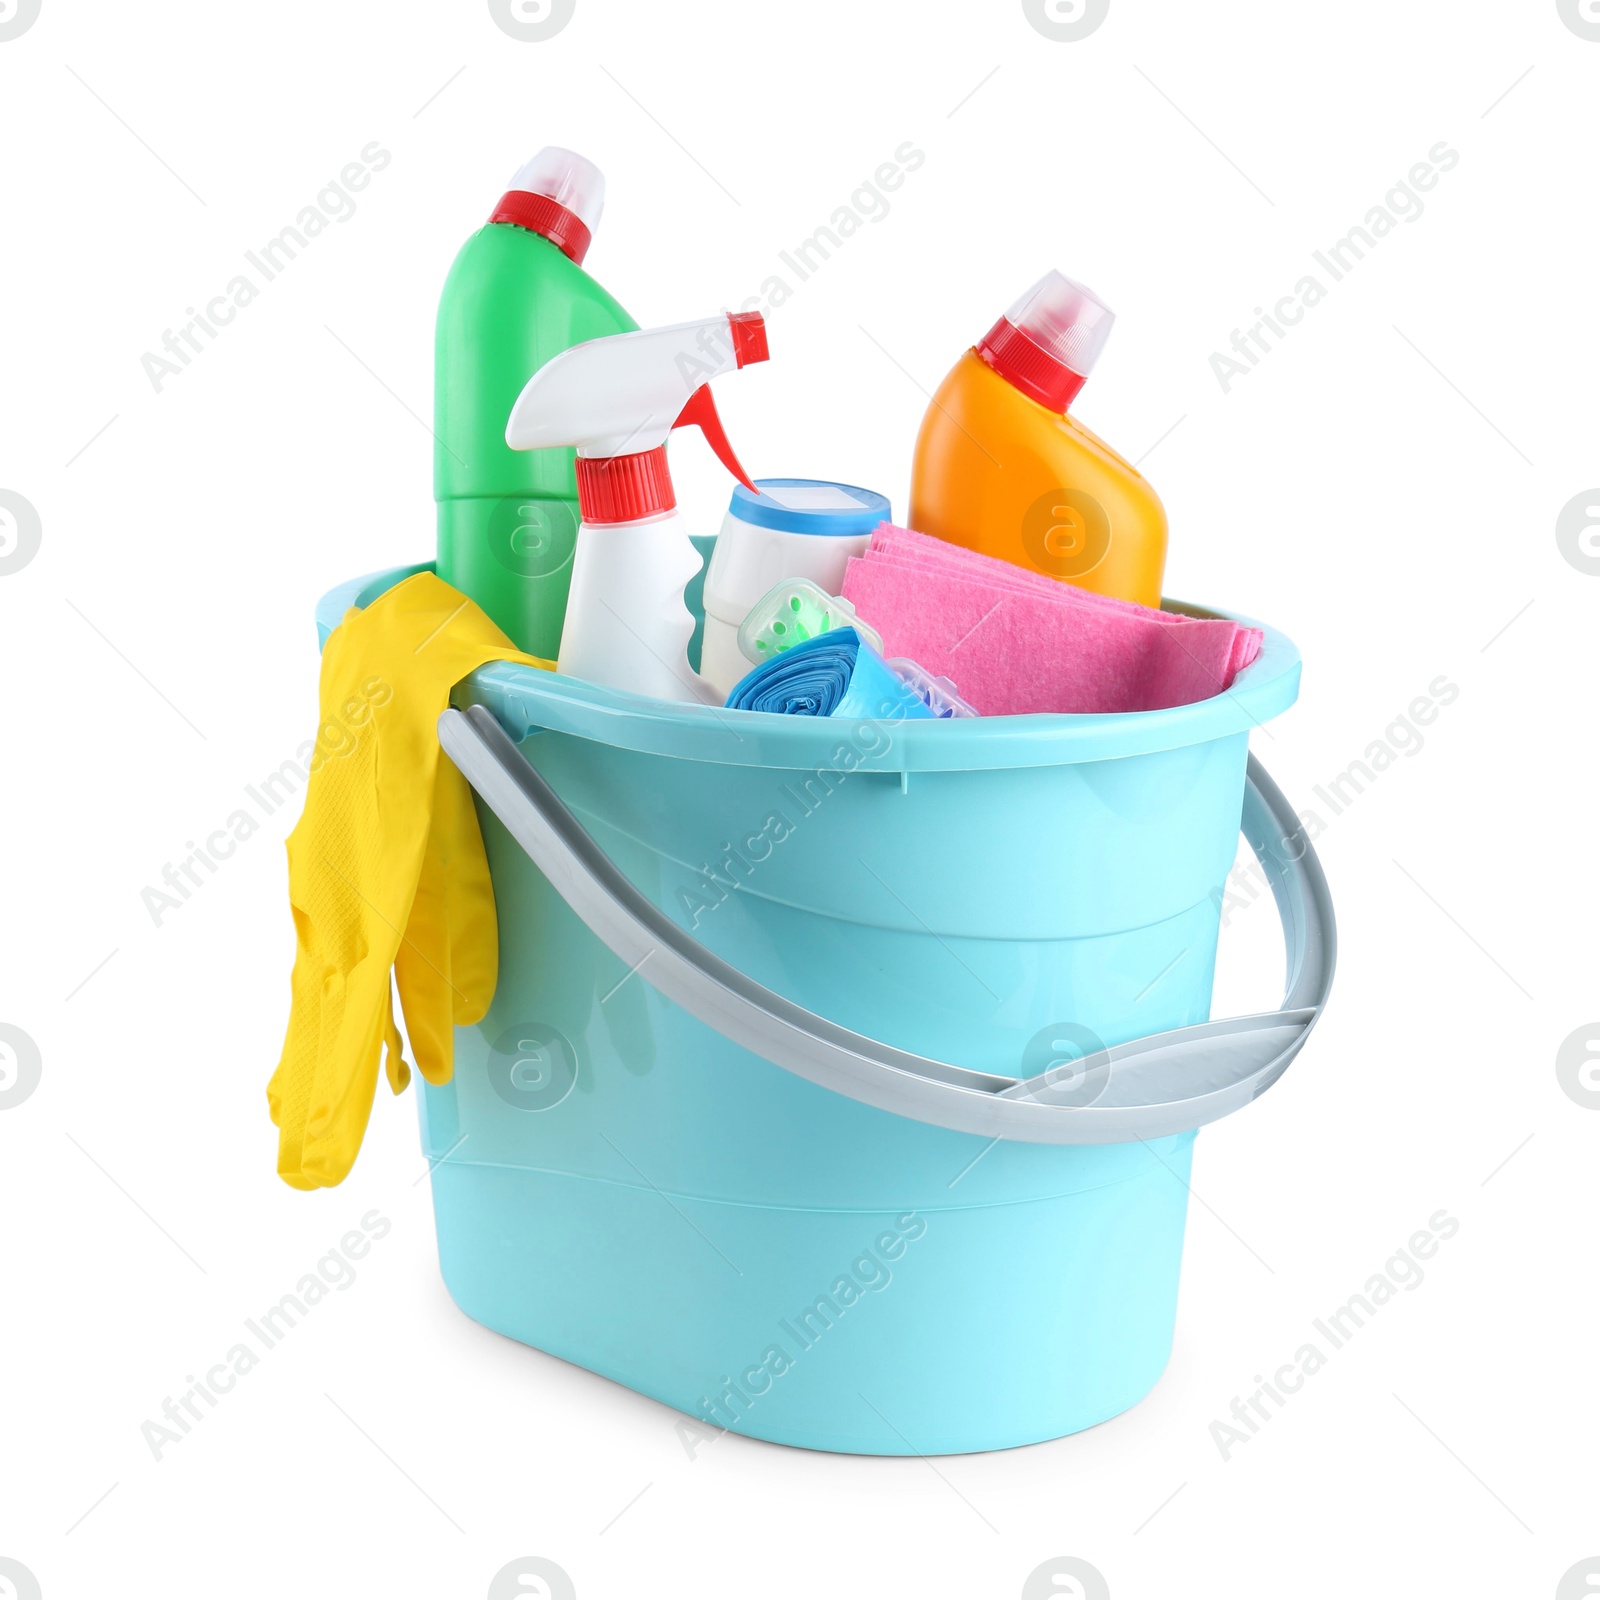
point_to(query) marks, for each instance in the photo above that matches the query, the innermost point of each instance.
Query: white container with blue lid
(790, 528)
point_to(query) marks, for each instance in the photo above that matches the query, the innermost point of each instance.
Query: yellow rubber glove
(386, 870)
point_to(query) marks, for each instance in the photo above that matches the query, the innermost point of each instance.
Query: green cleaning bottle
(517, 295)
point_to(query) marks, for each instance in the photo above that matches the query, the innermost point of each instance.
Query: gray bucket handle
(1148, 1088)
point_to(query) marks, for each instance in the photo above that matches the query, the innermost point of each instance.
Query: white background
(1384, 487)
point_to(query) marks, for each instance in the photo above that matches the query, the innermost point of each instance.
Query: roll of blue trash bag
(836, 674)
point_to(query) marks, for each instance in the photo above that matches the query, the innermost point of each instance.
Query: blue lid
(810, 505)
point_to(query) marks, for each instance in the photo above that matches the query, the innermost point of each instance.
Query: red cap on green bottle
(558, 195)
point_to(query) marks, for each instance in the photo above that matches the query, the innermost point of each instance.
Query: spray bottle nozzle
(748, 332)
(615, 400)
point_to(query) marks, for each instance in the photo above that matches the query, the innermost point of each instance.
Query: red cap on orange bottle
(1046, 345)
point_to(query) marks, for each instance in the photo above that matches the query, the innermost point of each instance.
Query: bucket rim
(528, 700)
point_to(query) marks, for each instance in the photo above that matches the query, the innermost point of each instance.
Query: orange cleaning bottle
(1001, 468)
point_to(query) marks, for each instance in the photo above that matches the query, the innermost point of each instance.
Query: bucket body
(618, 1184)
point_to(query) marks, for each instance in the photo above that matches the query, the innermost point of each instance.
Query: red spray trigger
(701, 413)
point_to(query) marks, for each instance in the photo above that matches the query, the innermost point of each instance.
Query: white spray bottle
(615, 400)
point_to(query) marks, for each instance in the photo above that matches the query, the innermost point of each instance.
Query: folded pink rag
(1016, 641)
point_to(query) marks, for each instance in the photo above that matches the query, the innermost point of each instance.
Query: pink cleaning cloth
(1014, 641)
(920, 549)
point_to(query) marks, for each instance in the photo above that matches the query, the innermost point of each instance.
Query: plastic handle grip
(1148, 1088)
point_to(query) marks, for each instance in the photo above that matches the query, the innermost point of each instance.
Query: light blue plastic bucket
(618, 1182)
